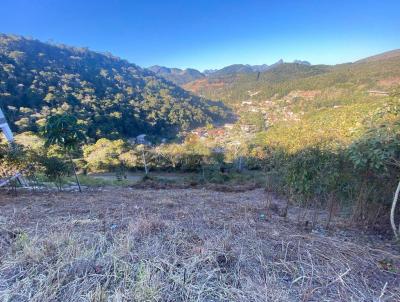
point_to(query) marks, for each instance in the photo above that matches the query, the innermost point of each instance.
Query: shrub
(54, 169)
(313, 172)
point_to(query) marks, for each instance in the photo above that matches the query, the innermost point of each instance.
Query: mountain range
(176, 75)
(379, 72)
(184, 76)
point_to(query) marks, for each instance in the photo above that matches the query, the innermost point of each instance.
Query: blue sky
(211, 34)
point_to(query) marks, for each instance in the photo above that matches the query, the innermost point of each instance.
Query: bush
(54, 169)
(314, 172)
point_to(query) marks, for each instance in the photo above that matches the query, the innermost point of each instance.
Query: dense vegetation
(110, 97)
(360, 170)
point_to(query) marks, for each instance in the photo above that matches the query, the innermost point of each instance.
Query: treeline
(120, 156)
(111, 97)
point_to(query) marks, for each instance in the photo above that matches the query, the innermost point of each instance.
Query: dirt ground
(130, 244)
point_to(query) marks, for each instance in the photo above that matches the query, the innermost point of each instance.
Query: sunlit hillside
(302, 104)
(111, 97)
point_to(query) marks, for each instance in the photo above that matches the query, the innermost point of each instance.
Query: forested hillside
(111, 97)
(233, 87)
(378, 73)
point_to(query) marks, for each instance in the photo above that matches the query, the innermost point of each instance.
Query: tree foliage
(63, 130)
(112, 97)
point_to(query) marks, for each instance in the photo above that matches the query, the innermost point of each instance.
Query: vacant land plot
(125, 244)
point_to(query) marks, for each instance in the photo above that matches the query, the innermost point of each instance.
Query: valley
(269, 182)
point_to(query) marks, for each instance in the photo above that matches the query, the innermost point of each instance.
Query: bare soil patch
(129, 244)
(389, 82)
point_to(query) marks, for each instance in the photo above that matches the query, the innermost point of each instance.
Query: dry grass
(182, 245)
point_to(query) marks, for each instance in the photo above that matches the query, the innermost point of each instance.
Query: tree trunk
(392, 212)
(145, 164)
(58, 183)
(330, 209)
(76, 176)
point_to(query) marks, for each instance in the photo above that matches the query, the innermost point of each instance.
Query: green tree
(12, 160)
(54, 168)
(64, 130)
(104, 155)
